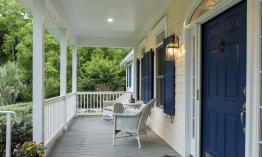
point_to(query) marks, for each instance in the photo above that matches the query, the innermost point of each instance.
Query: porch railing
(8, 115)
(58, 112)
(91, 103)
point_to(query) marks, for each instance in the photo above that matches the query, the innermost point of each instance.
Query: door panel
(224, 78)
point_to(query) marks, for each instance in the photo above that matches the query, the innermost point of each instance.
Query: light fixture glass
(110, 20)
(172, 46)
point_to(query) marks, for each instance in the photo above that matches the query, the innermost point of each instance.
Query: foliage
(13, 18)
(16, 45)
(21, 126)
(101, 74)
(29, 149)
(10, 83)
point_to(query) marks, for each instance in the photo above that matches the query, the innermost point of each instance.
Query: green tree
(13, 18)
(101, 74)
(10, 83)
(16, 45)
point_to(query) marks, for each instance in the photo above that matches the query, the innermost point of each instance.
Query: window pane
(204, 7)
(160, 60)
(260, 55)
(160, 92)
(260, 120)
(130, 75)
(260, 148)
(160, 37)
(193, 128)
(260, 90)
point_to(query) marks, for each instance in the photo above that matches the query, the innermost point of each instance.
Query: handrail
(58, 98)
(8, 131)
(101, 92)
(91, 102)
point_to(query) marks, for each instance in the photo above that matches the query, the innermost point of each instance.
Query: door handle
(243, 111)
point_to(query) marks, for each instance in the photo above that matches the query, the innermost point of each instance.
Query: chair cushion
(108, 108)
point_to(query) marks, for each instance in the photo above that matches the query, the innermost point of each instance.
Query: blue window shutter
(151, 74)
(138, 79)
(148, 76)
(146, 72)
(169, 84)
(143, 78)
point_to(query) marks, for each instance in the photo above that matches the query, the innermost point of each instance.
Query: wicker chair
(108, 106)
(133, 124)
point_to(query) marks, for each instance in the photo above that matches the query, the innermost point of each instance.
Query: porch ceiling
(86, 20)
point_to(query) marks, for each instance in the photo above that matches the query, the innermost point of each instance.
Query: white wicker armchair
(134, 124)
(108, 106)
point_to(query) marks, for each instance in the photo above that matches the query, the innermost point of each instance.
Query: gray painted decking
(92, 137)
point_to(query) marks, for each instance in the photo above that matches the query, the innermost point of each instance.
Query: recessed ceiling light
(110, 20)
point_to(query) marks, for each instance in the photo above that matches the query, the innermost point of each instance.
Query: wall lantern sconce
(172, 45)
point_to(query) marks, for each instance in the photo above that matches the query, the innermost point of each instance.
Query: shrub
(101, 74)
(29, 149)
(21, 127)
(10, 83)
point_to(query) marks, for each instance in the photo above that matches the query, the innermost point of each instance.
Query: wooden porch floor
(92, 137)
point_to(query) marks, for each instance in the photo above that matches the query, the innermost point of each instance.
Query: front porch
(91, 136)
(73, 126)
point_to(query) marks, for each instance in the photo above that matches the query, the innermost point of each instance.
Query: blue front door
(223, 83)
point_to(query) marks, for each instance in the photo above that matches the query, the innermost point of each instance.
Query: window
(160, 32)
(160, 37)
(160, 56)
(142, 78)
(203, 7)
(129, 76)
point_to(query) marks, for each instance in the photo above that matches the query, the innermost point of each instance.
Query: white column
(63, 62)
(8, 135)
(38, 70)
(74, 69)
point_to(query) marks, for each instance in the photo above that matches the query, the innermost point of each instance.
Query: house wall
(172, 133)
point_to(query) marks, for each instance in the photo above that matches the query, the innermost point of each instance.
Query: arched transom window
(202, 8)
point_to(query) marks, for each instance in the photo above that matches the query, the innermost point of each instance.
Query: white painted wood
(91, 103)
(251, 146)
(8, 115)
(59, 111)
(8, 135)
(63, 62)
(159, 28)
(126, 30)
(142, 47)
(38, 70)
(74, 69)
(190, 87)
(253, 77)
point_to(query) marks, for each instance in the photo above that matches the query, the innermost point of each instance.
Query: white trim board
(159, 28)
(252, 65)
(129, 58)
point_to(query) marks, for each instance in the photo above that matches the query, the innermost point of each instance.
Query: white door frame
(252, 79)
